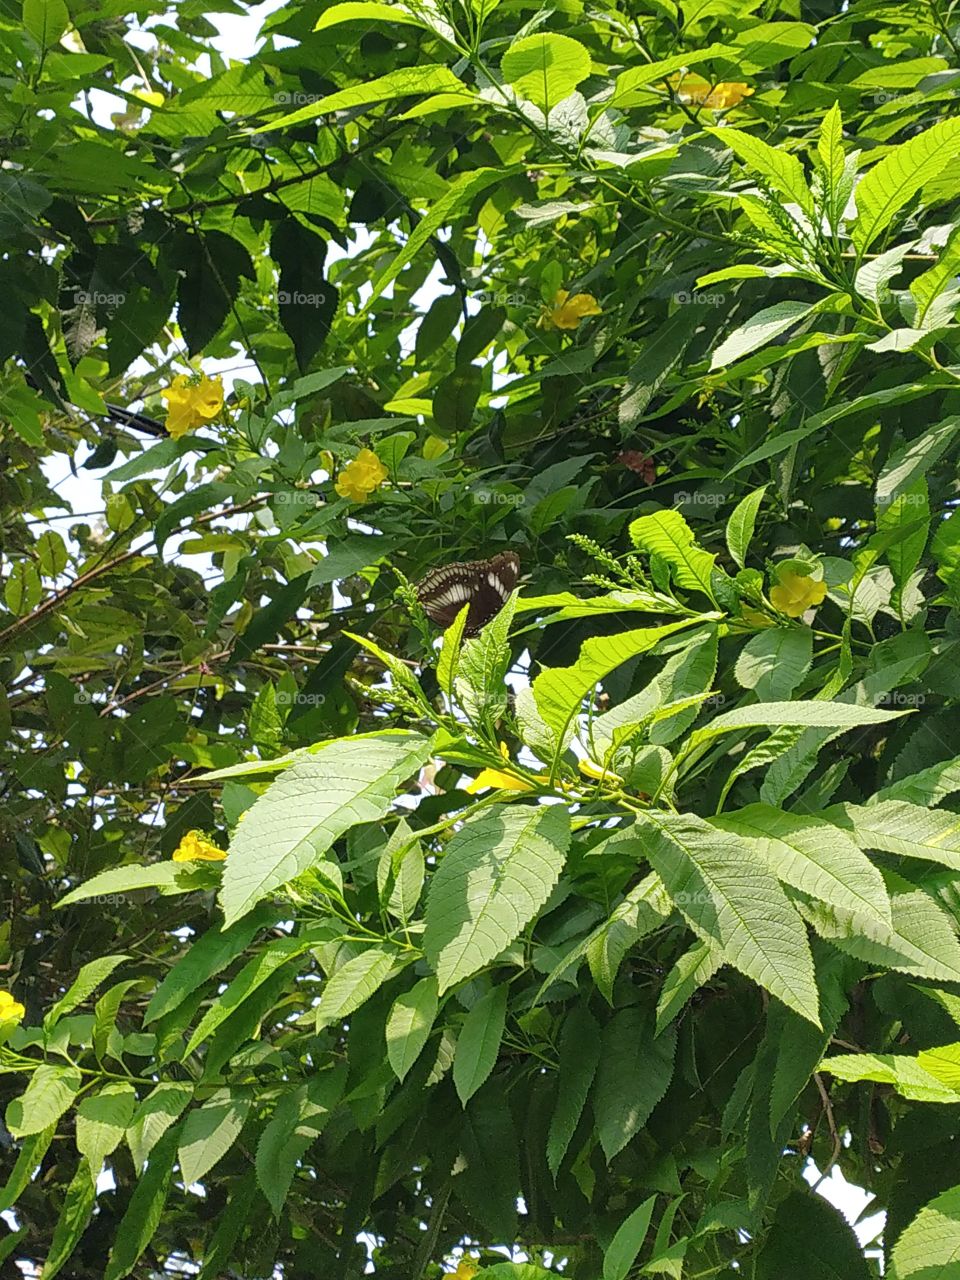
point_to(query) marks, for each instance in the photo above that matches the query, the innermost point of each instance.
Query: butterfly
(483, 584)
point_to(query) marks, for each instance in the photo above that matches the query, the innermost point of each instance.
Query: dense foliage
(586, 937)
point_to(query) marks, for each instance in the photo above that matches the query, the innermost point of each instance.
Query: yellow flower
(496, 778)
(467, 1269)
(566, 312)
(359, 478)
(699, 92)
(194, 848)
(10, 1010)
(593, 770)
(191, 403)
(794, 595)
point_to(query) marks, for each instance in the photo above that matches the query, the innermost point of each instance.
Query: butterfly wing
(484, 585)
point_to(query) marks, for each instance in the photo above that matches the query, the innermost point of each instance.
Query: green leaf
(479, 1042)
(761, 328)
(635, 1071)
(85, 983)
(144, 1210)
(50, 1093)
(692, 970)
(905, 467)
(896, 179)
(559, 691)
(32, 1151)
(773, 662)
(366, 11)
(929, 1247)
(450, 652)
(734, 902)
(354, 983)
(484, 662)
(207, 957)
(76, 1212)
(830, 1249)
(168, 877)
(621, 1252)
(310, 806)
(929, 285)
(307, 301)
(160, 1109)
(900, 1070)
(497, 872)
(400, 873)
(300, 1117)
(741, 524)
(102, 1119)
(782, 170)
(646, 907)
(774, 715)
(46, 20)
(545, 68)
(209, 1132)
(579, 1058)
(814, 856)
(402, 83)
(667, 534)
(896, 826)
(409, 1024)
(455, 399)
(253, 974)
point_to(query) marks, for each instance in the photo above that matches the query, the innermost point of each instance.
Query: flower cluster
(195, 848)
(191, 403)
(359, 478)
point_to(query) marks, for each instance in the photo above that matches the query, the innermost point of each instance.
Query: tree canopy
(581, 946)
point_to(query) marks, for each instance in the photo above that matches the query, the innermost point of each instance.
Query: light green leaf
(402, 83)
(310, 806)
(102, 1119)
(929, 1246)
(450, 652)
(914, 459)
(169, 877)
(901, 1070)
(667, 534)
(32, 1151)
(545, 67)
(734, 902)
(479, 1042)
(635, 79)
(896, 179)
(926, 788)
(50, 1093)
(814, 856)
(409, 1024)
(209, 1132)
(773, 662)
(896, 826)
(741, 524)
(775, 715)
(400, 873)
(760, 329)
(782, 170)
(156, 1113)
(692, 970)
(46, 20)
(366, 11)
(354, 983)
(621, 1252)
(484, 662)
(635, 1071)
(497, 872)
(928, 286)
(85, 983)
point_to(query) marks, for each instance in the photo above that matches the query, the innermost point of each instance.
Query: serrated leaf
(895, 179)
(209, 1132)
(782, 170)
(409, 1024)
(691, 971)
(929, 1246)
(299, 1118)
(635, 1071)
(354, 983)
(497, 871)
(545, 67)
(896, 826)
(741, 524)
(102, 1119)
(735, 903)
(310, 806)
(621, 1252)
(667, 534)
(157, 1112)
(579, 1057)
(49, 1093)
(77, 1208)
(144, 1210)
(253, 974)
(773, 662)
(760, 329)
(450, 652)
(479, 1042)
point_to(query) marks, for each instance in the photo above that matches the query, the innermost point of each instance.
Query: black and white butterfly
(483, 584)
